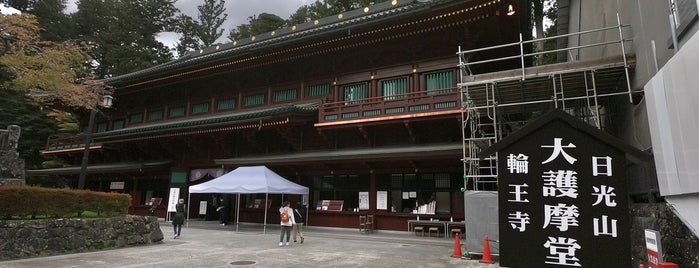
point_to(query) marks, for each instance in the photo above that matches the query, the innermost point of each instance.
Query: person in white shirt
(286, 222)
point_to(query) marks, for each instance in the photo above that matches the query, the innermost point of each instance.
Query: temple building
(361, 102)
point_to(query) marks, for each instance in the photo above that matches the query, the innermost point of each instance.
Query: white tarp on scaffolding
(481, 210)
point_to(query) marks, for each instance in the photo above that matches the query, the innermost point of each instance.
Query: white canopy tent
(248, 180)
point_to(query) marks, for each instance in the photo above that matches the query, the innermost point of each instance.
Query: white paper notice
(382, 200)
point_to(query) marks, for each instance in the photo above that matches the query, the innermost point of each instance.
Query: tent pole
(188, 201)
(264, 228)
(237, 213)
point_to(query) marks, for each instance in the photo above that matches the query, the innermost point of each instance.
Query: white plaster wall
(673, 97)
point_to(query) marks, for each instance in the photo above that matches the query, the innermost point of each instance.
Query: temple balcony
(411, 105)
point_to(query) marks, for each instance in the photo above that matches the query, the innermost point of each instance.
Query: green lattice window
(318, 90)
(440, 80)
(285, 94)
(155, 115)
(176, 111)
(136, 118)
(117, 124)
(102, 127)
(394, 88)
(355, 91)
(225, 104)
(200, 108)
(254, 100)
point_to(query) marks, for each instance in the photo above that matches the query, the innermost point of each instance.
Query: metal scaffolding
(498, 103)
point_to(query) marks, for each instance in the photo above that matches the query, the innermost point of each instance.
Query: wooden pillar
(372, 192)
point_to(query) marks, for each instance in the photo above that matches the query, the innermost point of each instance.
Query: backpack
(285, 215)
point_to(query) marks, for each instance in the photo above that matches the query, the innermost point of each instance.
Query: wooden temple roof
(385, 22)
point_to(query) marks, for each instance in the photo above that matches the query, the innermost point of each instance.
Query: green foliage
(51, 73)
(550, 12)
(258, 24)
(122, 34)
(37, 202)
(36, 124)
(211, 17)
(188, 29)
(264, 22)
(197, 34)
(321, 9)
(55, 25)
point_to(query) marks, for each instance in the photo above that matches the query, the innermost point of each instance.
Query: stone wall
(35, 238)
(679, 244)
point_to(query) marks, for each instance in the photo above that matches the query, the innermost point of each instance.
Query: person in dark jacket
(300, 217)
(178, 220)
(222, 211)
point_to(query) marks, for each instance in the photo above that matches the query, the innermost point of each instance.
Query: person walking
(178, 220)
(299, 217)
(286, 221)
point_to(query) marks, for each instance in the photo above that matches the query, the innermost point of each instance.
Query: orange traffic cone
(486, 252)
(457, 247)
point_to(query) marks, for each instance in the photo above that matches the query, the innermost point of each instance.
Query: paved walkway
(206, 244)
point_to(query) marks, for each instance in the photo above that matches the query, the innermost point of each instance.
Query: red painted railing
(394, 105)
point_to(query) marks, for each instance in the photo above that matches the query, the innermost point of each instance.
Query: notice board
(330, 205)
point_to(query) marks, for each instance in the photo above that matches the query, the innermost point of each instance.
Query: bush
(33, 202)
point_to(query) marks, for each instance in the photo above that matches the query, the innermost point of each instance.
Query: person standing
(287, 220)
(178, 220)
(222, 209)
(299, 217)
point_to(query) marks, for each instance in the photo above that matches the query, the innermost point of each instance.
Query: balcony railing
(380, 108)
(389, 107)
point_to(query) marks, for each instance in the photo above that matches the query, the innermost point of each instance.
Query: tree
(544, 9)
(36, 75)
(257, 24)
(326, 8)
(204, 32)
(302, 15)
(122, 34)
(53, 74)
(55, 25)
(37, 125)
(188, 29)
(211, 17)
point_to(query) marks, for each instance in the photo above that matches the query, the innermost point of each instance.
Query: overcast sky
(238, 12)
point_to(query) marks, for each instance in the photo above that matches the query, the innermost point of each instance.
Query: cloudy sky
(238, 12)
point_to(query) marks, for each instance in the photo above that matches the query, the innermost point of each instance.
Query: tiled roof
(213, 121)
(408, 152)
(100, 169)
(372, 14)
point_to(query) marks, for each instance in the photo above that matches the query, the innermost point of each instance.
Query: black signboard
(562, 196)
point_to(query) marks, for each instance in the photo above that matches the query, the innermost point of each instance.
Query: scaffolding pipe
(521, 52)
(544, 101)
(623, 54)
